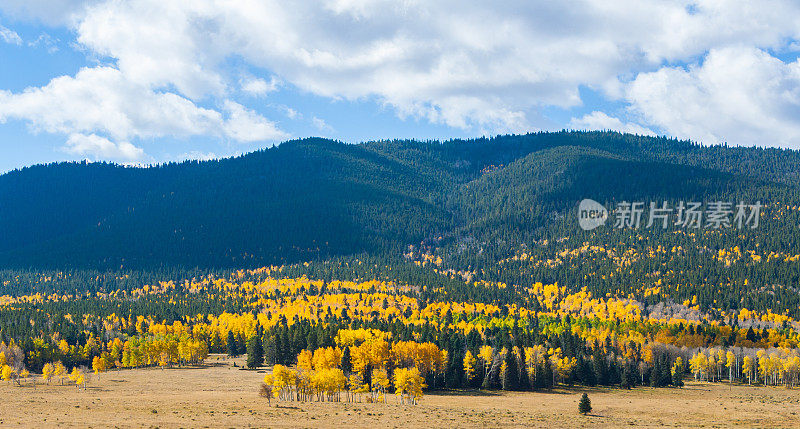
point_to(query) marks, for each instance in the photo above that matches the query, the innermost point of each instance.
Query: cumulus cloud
(470, 65)
(248, 126)
(482, 67)
(739, 95)
(599, 121)
(101, 100)
(97, 147)
(258, 87)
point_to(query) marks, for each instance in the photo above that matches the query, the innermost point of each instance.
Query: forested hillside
(453, 213)
(457, 264)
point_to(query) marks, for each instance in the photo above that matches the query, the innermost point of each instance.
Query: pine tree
(255, 352)
(547, 375)
(347, 365)
(600, 367)
(231, 345)
(586, 372)
(625, 378)
(524, 379)
(511, 374)
(241, 345)
(585, 405)
(270, 350)
(677, 379)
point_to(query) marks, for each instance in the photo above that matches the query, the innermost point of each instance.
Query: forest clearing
(221, 395)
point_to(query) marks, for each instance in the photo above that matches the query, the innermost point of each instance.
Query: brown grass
(223, 396)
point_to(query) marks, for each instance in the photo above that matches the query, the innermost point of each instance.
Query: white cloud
(259, 87)
(466, 64)
(101, 101)
(483, 67)
(290, 113)
(248, 126)
(739, 95)
(98, 147)
(321, 125)
(10, 36)
(599, 121)
(46, 41)
(174, 43)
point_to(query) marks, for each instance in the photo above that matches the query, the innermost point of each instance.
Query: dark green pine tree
(511, 375)
(255, 352)
(347, 366)
(233, 349)
(538, 377)
(625, 378)
(241, 345)
(270, 350)
(524, 377)
(547, 374)
(600, 366)
(217, 342)
(632, 377)
(614, 376)
(284, 348)
(312, 339)
(751, 336)
(660, 375)
(677, 379)
(586, 372)
(585, 405)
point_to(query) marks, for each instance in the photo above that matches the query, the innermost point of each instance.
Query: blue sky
(147, 81)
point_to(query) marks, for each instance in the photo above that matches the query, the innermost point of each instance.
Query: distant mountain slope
(296, 201)
(316, 198)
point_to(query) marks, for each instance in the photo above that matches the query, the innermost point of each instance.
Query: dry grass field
(223, 396)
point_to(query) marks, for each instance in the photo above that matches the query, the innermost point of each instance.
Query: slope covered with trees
(391, 267)
(453, 214)
(315, 198)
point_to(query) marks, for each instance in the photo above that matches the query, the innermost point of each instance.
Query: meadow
(219, 394)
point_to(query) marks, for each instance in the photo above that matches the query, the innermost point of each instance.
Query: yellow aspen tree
(98, 365)
(24, 374)
(721, 359)
(469, 365)
(408, 382)
(60, 371)
(747, 367)
(269, 381)
(356, 385)
(791, 367)
(47, 372)
(730, 362)
(6, 373)
(63, 347)
(304, 360)
(677, 366)
(78, 377)
(763, 366)
(380, 383)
